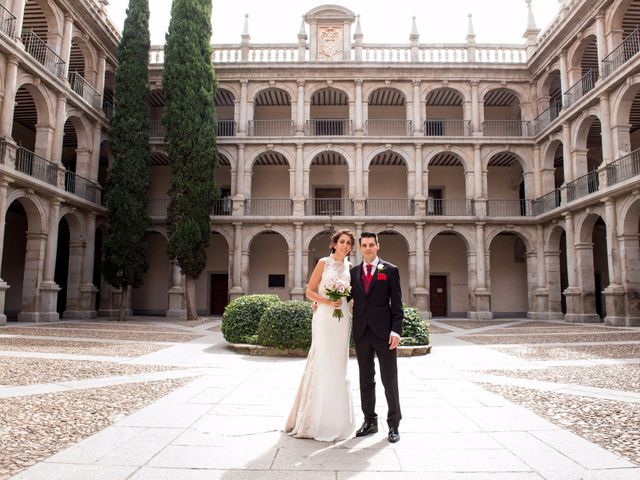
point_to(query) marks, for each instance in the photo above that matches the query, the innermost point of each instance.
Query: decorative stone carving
(329, 43)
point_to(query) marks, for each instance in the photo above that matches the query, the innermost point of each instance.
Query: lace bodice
(333, 270)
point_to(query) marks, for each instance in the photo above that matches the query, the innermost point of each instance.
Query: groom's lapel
(358, 278)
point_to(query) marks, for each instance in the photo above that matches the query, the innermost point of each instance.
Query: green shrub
(242, 316)
(286, 325)
(415, 330)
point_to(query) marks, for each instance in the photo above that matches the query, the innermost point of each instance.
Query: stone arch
(460, 90)
(312, 233)
(548, 154)
(249, 235)
(233, 89)
(526, 237)
(275, 86)
(462, 155)
(266, 150)
(466, 236)
(581, 126)
(53, 16)
(231, 158)
(552, 236)
(615, 16)
(225, 233)
(521, 93)
(349, 92)
(310, 156)
(402, 231)
(370, 88)
(37, 211)
(83, 128)
(406, 158)
(621, 108)
(584, 223)
(44, 107)
(517, 153)
(77, 226)
(89, 60)
(575, 55)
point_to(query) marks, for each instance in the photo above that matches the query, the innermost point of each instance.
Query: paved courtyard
(154, 400)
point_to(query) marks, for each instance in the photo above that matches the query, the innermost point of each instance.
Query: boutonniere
(379, 267)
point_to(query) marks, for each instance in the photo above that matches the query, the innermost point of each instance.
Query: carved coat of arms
(329, 43)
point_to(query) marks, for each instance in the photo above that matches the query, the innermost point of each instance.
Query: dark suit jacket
(381, 307)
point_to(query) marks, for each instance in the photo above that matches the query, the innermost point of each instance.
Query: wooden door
(438, 295)
(219, 292)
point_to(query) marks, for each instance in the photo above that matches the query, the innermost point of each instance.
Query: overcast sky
(439, 21)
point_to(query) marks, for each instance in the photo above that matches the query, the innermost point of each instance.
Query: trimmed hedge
(415, 330)
(242, 316)
(286, 325)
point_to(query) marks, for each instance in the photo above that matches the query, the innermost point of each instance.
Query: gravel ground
(554, 330)
(190, 323)
(77, 347)
(573, 352)
(552, 338)
(471, 324)
(26, 371)
(616, 377)
(612, 425)
(175, 336)
(35, 427)
(119, 326)
(437, 329)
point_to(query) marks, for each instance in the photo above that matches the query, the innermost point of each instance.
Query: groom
(377, 325)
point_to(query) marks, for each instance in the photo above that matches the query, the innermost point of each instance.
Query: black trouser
(367, 347)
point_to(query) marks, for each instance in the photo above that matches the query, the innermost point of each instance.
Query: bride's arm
(312, 287)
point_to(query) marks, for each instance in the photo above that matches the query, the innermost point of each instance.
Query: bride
(323, 409)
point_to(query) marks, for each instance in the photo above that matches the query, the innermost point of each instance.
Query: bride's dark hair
(335, 236)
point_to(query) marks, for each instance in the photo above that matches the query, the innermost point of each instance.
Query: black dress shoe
(394, 436)
(367, 428)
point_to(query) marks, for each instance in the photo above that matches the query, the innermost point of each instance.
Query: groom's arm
(395, 300)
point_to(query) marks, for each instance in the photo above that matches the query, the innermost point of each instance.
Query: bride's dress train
(323, 408)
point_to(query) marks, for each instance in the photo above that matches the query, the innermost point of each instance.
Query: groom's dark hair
(368, 235)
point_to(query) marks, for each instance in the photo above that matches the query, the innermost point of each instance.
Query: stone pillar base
(614, 298)
(177, 306)
(421, 296)
(79, 315)
(297, 294)
(235, 292)
(632, 322)
(47, 305)
(542, 300)
(582, 318)
(545, 315)
(4, 286)
(613, 321)
(482, 298)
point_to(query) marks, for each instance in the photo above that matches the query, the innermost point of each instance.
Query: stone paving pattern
(472, 410)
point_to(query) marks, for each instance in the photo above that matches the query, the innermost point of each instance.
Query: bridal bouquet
(336, 290)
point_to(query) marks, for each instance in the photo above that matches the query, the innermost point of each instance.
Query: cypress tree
(189, 85)
(128, 179)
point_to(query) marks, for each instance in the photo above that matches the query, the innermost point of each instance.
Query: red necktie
(368, 276)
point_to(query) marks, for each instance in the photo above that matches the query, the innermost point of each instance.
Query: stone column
(65, 52)
(421, 183)
(299, 194)
(300, 109)
(8, 103)
(481, 293)
(476, 128)
(537, 169)
(630, 252)
(100, 79)
(58, 132)
(614, 293)
(601, 41)
(564, 74)
(18, 11)
(420, 292)
(177, 302)
(358, 114)
(4, 286)
(238, 200)
(358, 232)
(242, 125)
(48, 288)
(236, 273)
(566, 153)
(417, 109)
(554, 283)
(88, 289)
(297, 293)
(477, 173)
(32, 299)
(94, 165)
(605, 118)
(573, 291)
(541, 293)
(74, 278)
(584, 268)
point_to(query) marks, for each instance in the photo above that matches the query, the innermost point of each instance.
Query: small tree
(128, 179)
(189, 85)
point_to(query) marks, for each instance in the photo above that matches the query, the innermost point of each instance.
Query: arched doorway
(269, 273)
(508, 276)
(448, 275)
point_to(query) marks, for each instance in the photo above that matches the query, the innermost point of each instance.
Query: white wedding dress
(323, 408)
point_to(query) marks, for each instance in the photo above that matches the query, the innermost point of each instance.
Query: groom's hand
(394, 341)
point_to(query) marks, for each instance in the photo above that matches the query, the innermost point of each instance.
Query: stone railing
(42, 53)
(580, 88)
(391, 207)
(450, 207)
(385, 128)
(35, 166)
(624, 168)
(84, 89)
(269, 207)
(583, 186)
(621, 54)
(447, 128)
(82, 187)
(510, 208)
(7, 22)
(368, 53)
(505, 128)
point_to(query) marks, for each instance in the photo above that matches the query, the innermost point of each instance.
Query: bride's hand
(336, 303)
